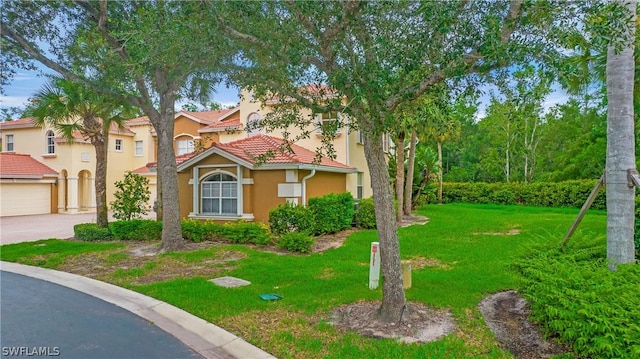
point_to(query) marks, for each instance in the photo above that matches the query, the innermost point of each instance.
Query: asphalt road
(45, 318)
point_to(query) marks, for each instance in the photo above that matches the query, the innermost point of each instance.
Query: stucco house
(213, 151)
(26, 186)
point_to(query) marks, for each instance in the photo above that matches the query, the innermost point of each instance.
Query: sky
(27, 83)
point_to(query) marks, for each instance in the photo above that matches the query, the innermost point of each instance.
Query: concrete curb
(205, 338)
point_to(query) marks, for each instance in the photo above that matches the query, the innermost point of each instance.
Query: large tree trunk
(167, 170)
(393, 299)
(620, 147)
(400, 174)
(408, 183)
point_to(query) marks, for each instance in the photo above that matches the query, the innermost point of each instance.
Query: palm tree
(620, 141)
(69, 107)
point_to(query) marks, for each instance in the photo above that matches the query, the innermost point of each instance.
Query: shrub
(137, 229)
(581, 301)
(246, 232)
(545, 194)
(288, 218)
(296, 242)
(332, 212)
(131, 197)
(366, 214)
(91, 232)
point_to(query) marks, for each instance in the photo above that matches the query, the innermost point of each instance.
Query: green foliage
(582, 302)
(246, 232)
(131, 198)
(366, 214)
(234, 232)
(288, 218)
(91, 232)
(137, 229)
(296, 242)
(545, 194)
(332, 212)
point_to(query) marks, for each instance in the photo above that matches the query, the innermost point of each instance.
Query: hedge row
(544, 194)
(234, 232)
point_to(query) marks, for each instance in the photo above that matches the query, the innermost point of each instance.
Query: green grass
(50, 253)
(477, 246)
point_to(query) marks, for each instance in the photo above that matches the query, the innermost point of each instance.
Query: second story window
(118, 145)
(139, 148)
(328, 122)
(9, 145)
(51, 145)
(185, 146)
(254, 126)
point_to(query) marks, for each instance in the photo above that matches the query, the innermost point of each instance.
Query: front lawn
(464, 253)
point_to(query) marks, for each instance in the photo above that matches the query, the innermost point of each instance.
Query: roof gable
(246, 152)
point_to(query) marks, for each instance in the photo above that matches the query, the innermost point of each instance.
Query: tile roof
(139, 121)
(250, 148)
(207, 116)
(179, 160)
(14, 165)
(233, 124)
(21, 123)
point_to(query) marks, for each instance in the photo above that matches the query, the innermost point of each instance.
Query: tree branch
(470, 59)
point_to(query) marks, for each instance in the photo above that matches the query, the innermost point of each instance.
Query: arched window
(220, 195)
(253, 124)
(51, 145)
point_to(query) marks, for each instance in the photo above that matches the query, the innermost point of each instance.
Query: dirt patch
(419, 324)
(412, 220)
(141, 263)
(331, 241)
(421, 262)
(507, 314)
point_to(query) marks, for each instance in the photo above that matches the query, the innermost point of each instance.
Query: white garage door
(18, 199)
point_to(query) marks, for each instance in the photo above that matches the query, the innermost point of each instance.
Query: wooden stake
(583, 210)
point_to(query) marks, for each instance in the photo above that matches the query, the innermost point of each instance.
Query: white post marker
(374, 265)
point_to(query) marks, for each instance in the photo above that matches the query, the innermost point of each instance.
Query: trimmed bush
(296, 242)
(137, 230)
(366, 214)
(197, 230)
(288, 218)
(91, 232)
(542, 194)
(332, 213)
(246, 232)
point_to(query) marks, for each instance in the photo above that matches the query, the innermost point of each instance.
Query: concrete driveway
(18, 229)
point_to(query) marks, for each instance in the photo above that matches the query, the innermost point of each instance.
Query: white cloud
(13, 101)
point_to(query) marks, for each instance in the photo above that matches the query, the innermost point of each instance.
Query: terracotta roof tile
(139, 121)
(250, 148)
(232, 124)
(14, 165)
(21, 123)
(208, 116)
(179, 160)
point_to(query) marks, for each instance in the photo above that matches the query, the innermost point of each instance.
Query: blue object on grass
(269, 297)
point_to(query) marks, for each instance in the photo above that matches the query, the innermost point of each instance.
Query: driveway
(18, 229)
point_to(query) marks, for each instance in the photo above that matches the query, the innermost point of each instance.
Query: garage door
(18, 199)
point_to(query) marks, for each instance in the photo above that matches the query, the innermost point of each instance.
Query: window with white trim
(360, 139)
(9, 145)
(118, 145)
(138, 148)
(254, 124)
(185, 146)
(359, 188)
(220, 195)
(327, 122)
(385, 142)
(51, 145)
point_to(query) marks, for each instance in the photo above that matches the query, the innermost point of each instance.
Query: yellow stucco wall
(324, 183)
